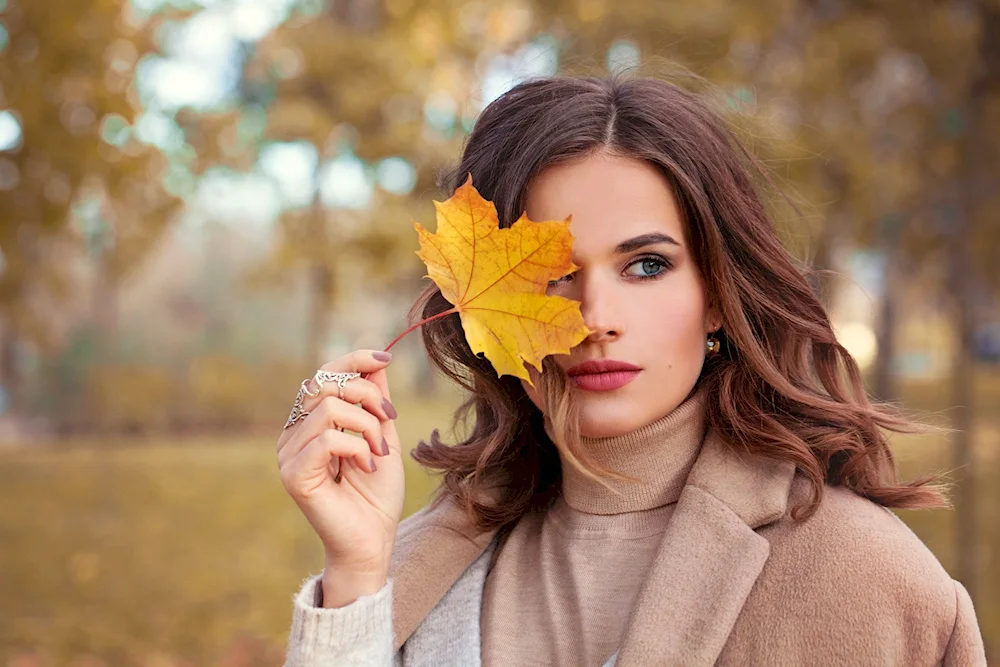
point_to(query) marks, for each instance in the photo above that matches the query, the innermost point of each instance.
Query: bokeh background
(202, 200)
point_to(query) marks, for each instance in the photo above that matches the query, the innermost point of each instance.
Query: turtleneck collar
(660, 454)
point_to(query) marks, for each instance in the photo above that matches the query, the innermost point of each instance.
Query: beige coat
(736, 582)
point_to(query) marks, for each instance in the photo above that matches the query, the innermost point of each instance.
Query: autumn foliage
(496, 279)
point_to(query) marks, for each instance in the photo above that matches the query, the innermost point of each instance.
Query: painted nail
(385, 447)
(372, 459)
(382, 356)
(389, 410)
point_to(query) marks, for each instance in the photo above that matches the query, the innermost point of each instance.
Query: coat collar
(708, 559)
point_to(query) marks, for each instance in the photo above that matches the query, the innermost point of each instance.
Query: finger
(359, 361)
(318, 455)
(333, 413)
(334, 442)
(380, 379)
(360, 453)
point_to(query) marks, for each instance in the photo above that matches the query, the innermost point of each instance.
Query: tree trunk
(320, 283)
(883, 372)
(10, 376)
(823, 276)
(321, 288)
(105, 312)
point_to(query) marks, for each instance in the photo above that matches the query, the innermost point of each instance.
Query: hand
(356, 519)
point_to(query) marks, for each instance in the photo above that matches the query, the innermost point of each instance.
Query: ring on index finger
(321, 377)
(299, 412)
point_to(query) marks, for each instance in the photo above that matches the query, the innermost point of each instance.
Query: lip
(603, 381)
(603, 374)
(601, 366)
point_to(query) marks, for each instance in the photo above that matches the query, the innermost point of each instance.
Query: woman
(701, 481)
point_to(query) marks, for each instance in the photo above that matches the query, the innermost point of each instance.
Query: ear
(713, 318)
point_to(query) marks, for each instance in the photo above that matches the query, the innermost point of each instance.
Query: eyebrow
(644, 240)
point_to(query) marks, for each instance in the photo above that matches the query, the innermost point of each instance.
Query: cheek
(671, 335)
(532, 392)
(677, 319)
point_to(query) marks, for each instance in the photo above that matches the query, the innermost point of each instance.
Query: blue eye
(655, 265)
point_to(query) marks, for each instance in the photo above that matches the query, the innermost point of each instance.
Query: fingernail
(389, 410)
(372, 459)
(385, 447)
(382, 356)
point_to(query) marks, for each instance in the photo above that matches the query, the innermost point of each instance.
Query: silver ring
(297, 414)
(321, 377)
(305, 389)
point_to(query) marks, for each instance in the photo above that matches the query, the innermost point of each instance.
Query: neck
(660, 454)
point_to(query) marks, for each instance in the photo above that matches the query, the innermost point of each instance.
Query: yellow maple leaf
(497, 278)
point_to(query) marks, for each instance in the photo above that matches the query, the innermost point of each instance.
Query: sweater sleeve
(357, 635)
(965, 648)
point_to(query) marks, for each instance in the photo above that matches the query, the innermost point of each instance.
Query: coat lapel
(708, 560)
(433, 548)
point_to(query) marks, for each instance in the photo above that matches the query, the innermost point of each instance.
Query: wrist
(342, 587)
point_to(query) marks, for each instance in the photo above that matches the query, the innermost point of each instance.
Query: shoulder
(864, 547)
(849, 530)
(854, 564)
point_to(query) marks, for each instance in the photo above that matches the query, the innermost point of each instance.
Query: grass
(159, 554)
(162, 555)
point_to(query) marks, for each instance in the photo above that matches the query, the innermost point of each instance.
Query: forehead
(610, 198)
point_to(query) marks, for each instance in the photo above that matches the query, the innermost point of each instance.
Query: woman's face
(644, 301)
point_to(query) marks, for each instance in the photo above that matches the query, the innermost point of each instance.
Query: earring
(712, 344)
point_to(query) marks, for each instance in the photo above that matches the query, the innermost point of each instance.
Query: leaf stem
(418, 324)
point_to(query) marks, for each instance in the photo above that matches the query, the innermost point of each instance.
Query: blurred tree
(77, 179)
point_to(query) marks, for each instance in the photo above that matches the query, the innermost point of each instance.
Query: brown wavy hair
(781, 385)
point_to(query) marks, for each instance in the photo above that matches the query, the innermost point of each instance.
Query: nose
(598, 305)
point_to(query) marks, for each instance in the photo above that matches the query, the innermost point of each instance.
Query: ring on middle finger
(322, 377)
